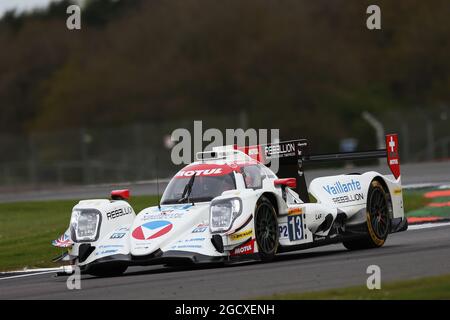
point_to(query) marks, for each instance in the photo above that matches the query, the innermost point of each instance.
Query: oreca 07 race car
(229, 206)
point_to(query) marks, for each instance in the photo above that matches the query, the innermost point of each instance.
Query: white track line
(31, 270)
(422, 185)
(34, 272)
(26, 275)
(428, 225)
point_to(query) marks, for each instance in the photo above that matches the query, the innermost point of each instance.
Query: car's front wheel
(266, 229)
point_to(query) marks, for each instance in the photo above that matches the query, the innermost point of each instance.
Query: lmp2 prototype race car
(230, 206)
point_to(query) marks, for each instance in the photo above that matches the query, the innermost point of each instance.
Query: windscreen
(204, 188)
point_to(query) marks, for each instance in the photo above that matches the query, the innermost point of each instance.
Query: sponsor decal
(246, 248)
(118, 213)
(392, 146)
(191, 240)
(392, 154)
(397, 191)
(195, 239)
(393, 161)
(104, 252)
(167, 212)
(339, 187)
(187, 246)
(200, 228)
(283, 228)
(206, 170)
(318, 238)
(240, 235)
(109, 246)
(282, 150)
(294, 211)
(295, 228)
(172, 207)
(118, 235)
(141, 247)
(173, 215)
(152, 230)
(63, 242)
(349, 198)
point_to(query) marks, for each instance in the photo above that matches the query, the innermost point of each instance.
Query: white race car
(229, 206)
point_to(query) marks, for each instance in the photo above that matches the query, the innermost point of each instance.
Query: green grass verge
(427, 211)
(432, 288)
(27, 228)
(414, 200)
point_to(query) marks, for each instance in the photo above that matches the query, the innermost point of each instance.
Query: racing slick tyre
(266, 229)
(107, 270)
(378, 222)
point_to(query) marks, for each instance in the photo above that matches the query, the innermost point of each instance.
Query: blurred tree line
(307, 67)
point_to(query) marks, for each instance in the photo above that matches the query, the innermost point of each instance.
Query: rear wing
(293, 155)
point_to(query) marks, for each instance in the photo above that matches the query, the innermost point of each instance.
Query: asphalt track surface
(415, 173)
(406, 255)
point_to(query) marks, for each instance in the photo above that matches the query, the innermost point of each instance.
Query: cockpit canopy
(210, 181)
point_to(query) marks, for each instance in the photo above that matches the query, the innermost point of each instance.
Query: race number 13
(295, 227)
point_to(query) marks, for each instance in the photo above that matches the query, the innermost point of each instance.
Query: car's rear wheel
(378, 222)
(266, 229)
(107, 270)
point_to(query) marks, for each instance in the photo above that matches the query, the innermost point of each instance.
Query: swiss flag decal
(393, 157)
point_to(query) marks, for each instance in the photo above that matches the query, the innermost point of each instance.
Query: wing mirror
(286, 182)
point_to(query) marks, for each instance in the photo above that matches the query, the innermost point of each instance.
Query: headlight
(223, 213)
(84, 225)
